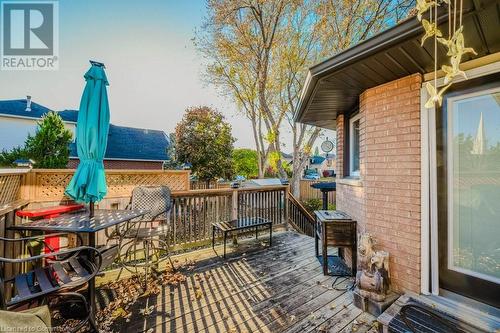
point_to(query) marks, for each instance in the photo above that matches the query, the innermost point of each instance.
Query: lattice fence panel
(50, 185)
(121, 185)
(9, 188)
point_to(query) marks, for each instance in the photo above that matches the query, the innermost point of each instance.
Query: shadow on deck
(257, 289)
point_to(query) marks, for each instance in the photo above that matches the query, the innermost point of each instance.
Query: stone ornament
(372, 279)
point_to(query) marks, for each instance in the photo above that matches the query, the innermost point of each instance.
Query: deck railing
(299, 217)
(194, 211)
(192, 214)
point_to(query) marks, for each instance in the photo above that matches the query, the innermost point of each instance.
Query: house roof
(316, 159)
(69, 115)
(17, 108)
(333, 86)
(128, 143)
(124, 143)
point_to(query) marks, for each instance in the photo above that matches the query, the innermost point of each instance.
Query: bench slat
(42, 279)
(22, 287)
(82, 272)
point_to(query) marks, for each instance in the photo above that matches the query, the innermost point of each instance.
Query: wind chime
(454, 43)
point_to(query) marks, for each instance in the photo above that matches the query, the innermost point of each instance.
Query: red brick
(119, 164)
(388, 202)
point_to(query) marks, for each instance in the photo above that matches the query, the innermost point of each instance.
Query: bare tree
(258, 53)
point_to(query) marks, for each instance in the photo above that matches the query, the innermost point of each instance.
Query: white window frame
(353, 173)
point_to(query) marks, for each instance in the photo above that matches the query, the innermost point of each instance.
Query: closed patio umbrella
(89, 182)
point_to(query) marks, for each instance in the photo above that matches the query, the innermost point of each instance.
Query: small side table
(335, 228)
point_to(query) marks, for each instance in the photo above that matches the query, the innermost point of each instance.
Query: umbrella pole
(91, 208)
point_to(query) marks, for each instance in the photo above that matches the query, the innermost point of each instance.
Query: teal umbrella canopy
(89, 181)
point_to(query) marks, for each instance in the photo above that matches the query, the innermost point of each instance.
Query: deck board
(280, 289)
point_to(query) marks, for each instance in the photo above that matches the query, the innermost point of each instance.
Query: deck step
(428, 314)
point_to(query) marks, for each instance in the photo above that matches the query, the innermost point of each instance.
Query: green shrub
(7, 158)
(316, 204)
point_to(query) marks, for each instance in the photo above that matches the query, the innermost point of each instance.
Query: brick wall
(386, 202)
(116, 164)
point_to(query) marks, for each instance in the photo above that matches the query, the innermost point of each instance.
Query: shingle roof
(69, 115)
(123, 142)
(17, 108)
(317, 159)
(130, 143)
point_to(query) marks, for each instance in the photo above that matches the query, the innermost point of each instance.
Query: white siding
(14, 131)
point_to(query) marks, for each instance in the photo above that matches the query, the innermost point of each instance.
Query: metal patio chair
(144, 242)
(64, 270)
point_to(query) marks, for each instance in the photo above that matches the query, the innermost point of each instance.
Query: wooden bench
(241, 224)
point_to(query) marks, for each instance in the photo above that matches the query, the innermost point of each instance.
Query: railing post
(234, 210)
(285, 206)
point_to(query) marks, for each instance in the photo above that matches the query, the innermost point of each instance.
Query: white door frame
(429, 270)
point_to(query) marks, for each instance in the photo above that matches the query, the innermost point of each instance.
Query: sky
(467, 114)
(152, 65)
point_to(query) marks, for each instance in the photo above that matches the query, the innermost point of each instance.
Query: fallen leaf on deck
(198, 293)
(147, 311)
(119, 312)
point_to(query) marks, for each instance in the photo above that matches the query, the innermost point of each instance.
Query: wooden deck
(256, 289)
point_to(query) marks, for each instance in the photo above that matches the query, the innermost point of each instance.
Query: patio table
(81, 222)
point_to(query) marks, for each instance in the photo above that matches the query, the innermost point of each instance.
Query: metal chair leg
(93, 325)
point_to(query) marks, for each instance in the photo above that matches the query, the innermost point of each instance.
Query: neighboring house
(331, 161)
(317, 163)
(128, 148)
(18, 118)
(321, 163)
(423, 182)
(287, 158)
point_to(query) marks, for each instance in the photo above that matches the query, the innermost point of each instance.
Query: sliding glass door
(468, 160)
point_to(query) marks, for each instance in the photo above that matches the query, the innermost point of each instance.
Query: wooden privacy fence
(203, 185)
(307, 192)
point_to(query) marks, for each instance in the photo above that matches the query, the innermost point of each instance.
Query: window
(354, 145)
(474, 184)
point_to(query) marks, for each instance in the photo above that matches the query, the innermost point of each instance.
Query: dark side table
(337, 229)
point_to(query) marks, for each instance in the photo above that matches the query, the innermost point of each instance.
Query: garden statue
(372, 279)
